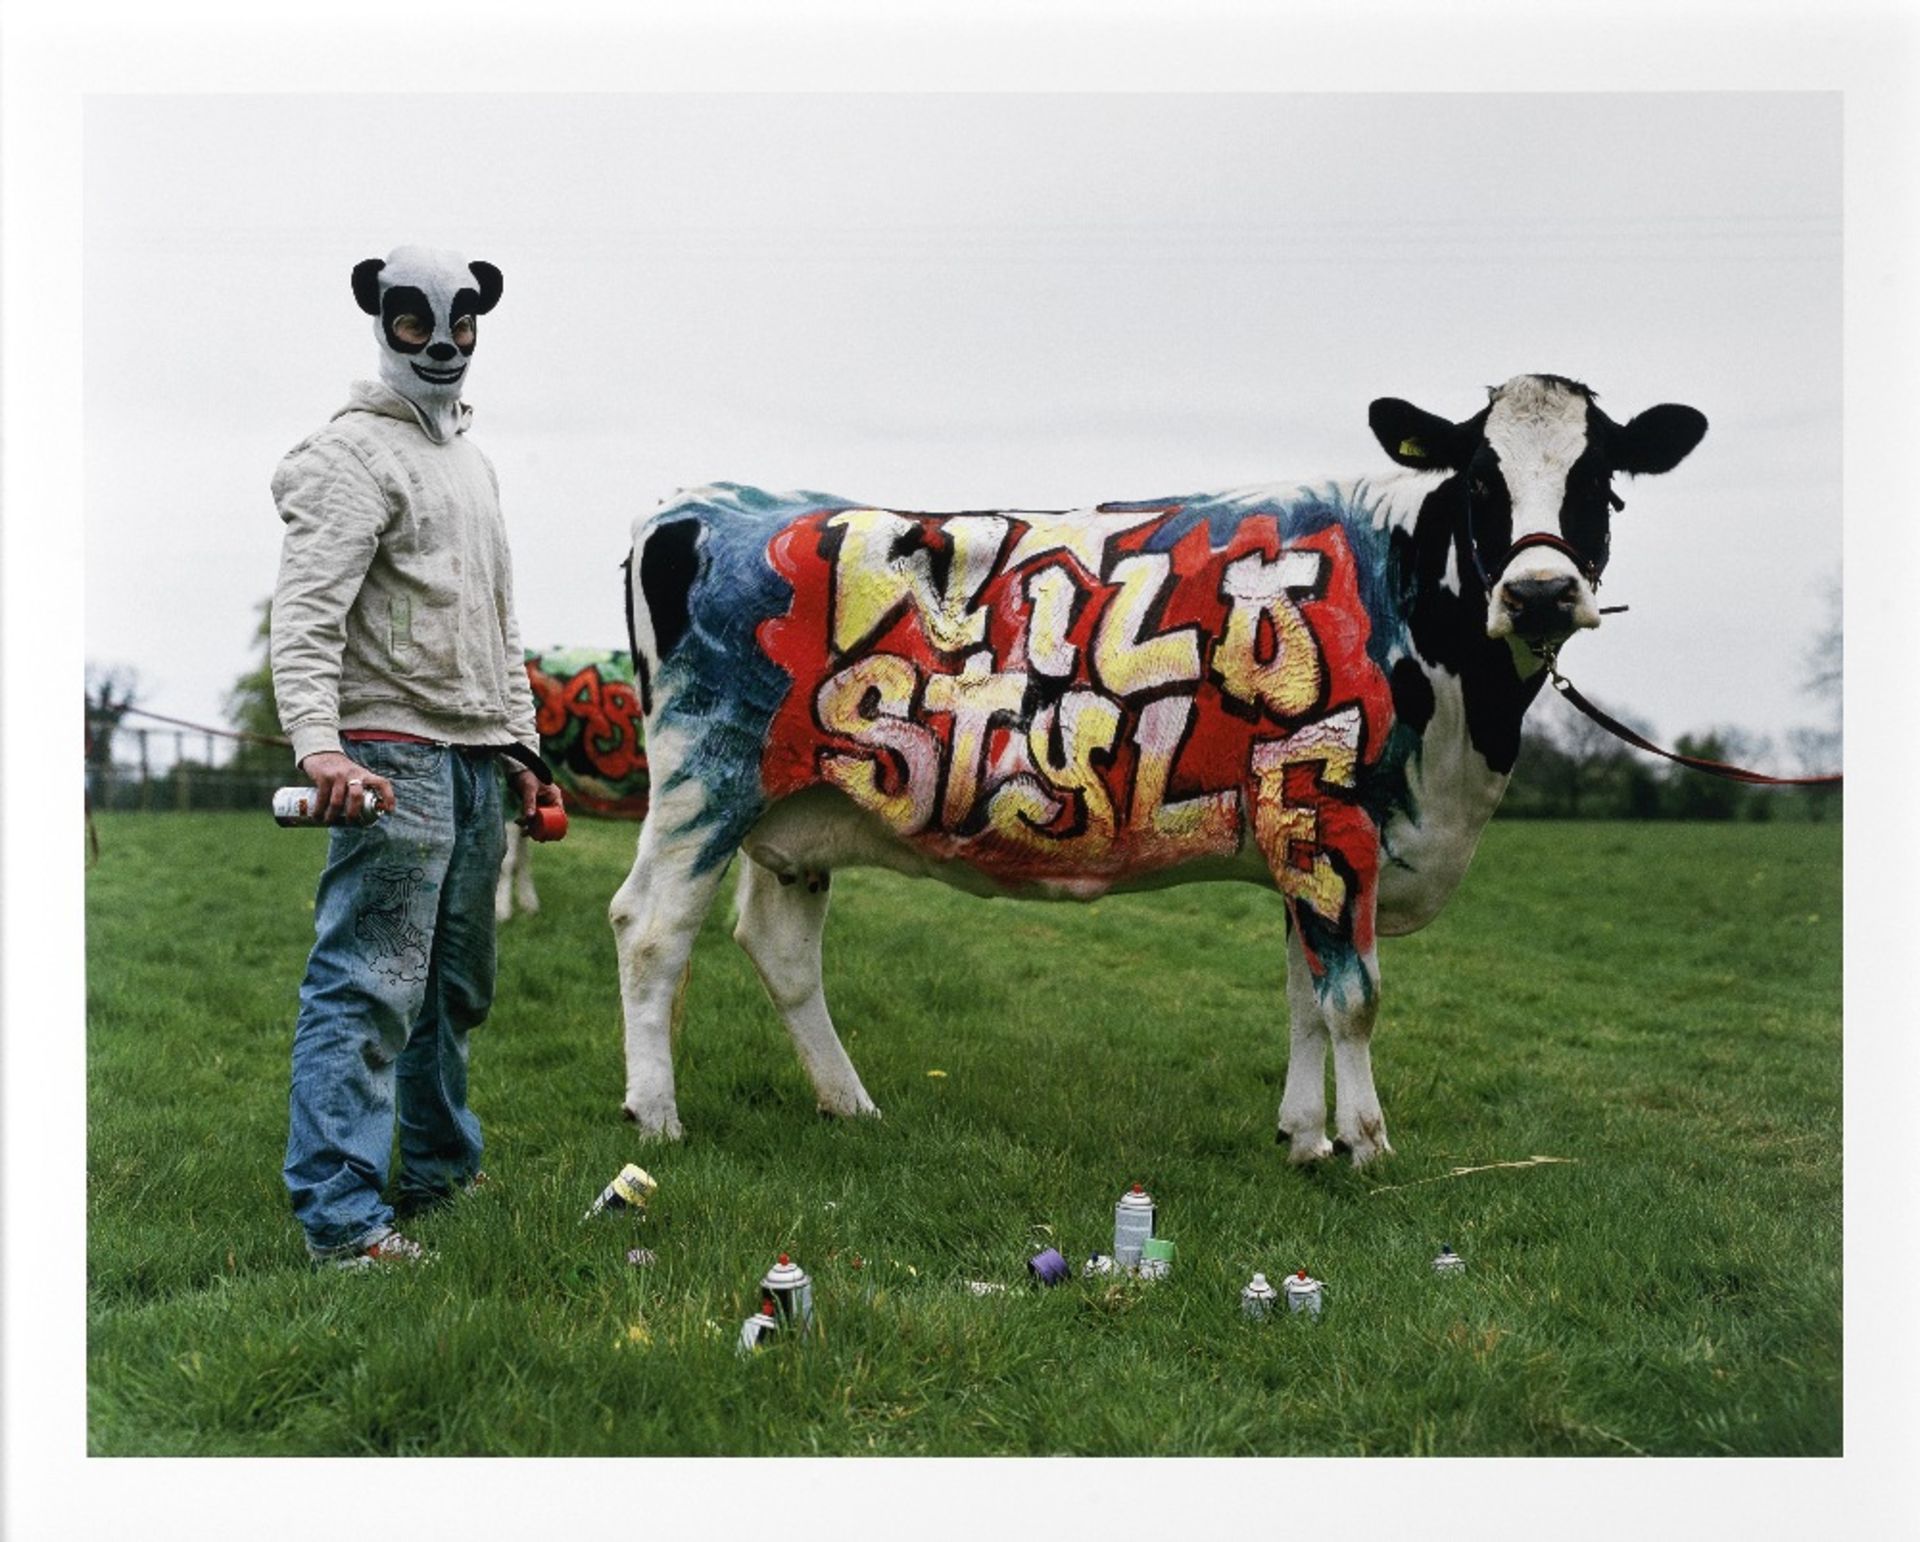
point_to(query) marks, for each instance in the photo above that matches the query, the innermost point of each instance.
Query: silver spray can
(295, 806)
(1303, 1293)
(1449, 1262)
(791, 1290)
(759, 1329)
(1132, 1225)
(1256, 1301)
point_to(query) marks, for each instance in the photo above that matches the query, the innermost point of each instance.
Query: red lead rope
(1712, 767)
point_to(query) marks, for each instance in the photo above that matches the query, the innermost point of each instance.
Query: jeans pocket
(396, 761)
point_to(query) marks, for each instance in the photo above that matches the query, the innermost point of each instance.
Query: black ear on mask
(366, 284)
(487, 276)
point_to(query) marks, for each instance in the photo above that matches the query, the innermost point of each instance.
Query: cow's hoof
(1368, 1144)
(861, 1110)
(1307, 1146)
(654, 1126)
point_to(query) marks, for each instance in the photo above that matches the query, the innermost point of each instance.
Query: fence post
(146, 774)
(181, 778)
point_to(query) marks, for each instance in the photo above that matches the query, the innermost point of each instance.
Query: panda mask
(426, 306)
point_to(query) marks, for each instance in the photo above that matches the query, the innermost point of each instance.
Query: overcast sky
(969, 302)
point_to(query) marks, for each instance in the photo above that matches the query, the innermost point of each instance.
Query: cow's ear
(487, 276)
(366, 285)
(1415, 438)
(1658, 439)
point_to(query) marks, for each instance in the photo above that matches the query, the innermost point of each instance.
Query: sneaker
(393, 1248)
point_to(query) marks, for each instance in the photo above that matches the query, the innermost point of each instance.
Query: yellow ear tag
(1414, 448)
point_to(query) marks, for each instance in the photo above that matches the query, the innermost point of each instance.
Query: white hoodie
(394, 605)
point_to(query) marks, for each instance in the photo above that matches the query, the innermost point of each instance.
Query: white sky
(973, 301)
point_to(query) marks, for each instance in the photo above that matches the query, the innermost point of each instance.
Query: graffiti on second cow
(587, 712)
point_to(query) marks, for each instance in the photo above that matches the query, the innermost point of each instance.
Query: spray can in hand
(300, 806)
(548, 822)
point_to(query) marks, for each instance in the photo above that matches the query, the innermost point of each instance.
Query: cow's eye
(1481, 489)
(411, 329)
(463, 331)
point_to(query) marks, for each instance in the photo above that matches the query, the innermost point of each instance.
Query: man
(397, 668)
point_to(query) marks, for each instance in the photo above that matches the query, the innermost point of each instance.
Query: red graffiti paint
(1050, 701)
(591, 730)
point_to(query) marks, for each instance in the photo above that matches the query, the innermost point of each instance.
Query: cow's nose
(440, 352)
(1540, 605)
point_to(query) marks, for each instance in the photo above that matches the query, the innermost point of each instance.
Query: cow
(588, 717)
(1317, 687)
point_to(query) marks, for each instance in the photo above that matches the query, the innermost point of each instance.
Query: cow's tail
(659, 573)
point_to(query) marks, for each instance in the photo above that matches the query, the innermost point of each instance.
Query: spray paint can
(1303, 1293)
(630, 1190)
(294, 806)
(1132, 1225)
(1156, 1258)
(548, 822)
(1048, 1268)
(759, 1329)
(1449, 1262)
(791, 1290)
(1256, 1301)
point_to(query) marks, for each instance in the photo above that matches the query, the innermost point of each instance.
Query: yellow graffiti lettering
(869, 702)
(1126, 662)
(975, 697)
(1050, 595)
(1205, 826)
(872, 579)
(1288, 678)
(1019, 808)
(1333, 742)
(1083, 725)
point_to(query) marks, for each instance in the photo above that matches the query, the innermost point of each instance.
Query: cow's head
(1533, 479)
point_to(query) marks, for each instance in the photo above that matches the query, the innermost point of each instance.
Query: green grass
(1661, 1003)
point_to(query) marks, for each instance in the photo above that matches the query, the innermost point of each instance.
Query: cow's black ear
(366, 284)
(1658, 439)
(1415, 438)
(487, 276)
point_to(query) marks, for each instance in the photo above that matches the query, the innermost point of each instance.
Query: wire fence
(183, 768)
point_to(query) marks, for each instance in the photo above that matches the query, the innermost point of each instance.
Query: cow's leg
(656, 915)
(1303, 1106)
(514, 880)
(1349, 998)
(780, 925)
(525, 898)
(504, 884)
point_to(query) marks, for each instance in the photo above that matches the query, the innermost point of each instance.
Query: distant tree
(1819, 751)
(112, 692)
(1697, 795)
(252, 708)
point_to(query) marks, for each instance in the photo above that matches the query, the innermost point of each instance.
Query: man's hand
(530, 791)
(338, 782)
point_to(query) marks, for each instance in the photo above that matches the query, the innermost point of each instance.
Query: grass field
(1659, 1003)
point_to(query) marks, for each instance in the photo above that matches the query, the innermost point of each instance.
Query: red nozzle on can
(548, 822)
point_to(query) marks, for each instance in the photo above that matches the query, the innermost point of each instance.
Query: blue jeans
(401, 970)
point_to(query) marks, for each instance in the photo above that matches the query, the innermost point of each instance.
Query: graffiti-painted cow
(1315, 687)
(588, 716)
